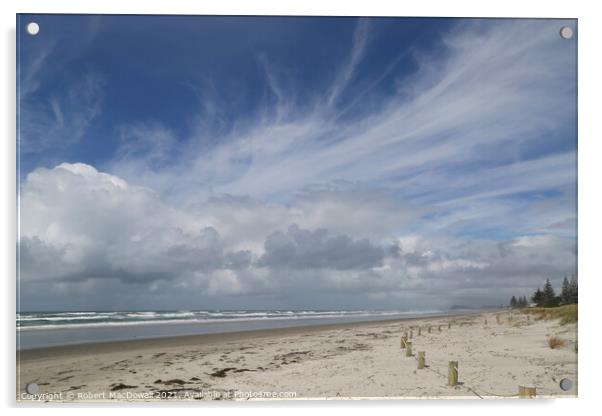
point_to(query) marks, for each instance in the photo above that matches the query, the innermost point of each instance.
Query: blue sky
(245, 161)
(138, 68)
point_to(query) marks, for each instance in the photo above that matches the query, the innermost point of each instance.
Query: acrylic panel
(283, 208)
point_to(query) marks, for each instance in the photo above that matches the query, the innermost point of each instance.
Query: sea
(52, 328)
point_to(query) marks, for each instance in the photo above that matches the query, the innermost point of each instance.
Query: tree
(537, 297)
(513, 302)
(573, 290)
(522, 302)
(549, 298)
(565, 295)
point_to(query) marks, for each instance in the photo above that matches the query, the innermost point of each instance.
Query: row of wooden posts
(452, 369)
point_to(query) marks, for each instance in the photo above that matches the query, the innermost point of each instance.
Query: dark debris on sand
(121, 386)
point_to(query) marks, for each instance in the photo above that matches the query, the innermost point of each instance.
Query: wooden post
(420, 360)
(485, 321)
(403, 342)
(411, 334)
(527, 392)
(528, 318)
(439, 328)
(497, 319)
(452, 373)
(429, 329)
(449, 325)
(419, 331)
(408, 349)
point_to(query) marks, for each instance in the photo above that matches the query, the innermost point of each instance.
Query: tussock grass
(555, 342)
(567, 313)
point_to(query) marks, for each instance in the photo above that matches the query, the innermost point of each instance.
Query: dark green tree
(549, 295)
(573, 290)
(513, 302)
(537, 297)
(565, 295)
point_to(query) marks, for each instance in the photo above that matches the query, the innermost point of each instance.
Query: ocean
(43, 329)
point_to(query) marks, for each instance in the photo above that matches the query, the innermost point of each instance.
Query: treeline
(547, 297)
(521, 302)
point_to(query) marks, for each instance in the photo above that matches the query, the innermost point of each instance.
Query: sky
(207, 162)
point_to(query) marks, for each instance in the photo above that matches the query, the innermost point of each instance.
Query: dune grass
(566, 313)
(555, 342)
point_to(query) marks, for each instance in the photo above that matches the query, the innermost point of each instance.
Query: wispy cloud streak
(462, 180)
(461, 121)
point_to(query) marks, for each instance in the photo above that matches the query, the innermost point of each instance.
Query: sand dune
(361, 360)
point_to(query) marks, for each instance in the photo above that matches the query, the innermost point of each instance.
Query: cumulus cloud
(88, 226)
(305, 249)
(83, 224)
(97, 226)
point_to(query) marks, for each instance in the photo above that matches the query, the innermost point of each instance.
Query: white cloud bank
(85, 227)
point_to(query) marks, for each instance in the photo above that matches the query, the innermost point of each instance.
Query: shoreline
(218, 337)
(497, 352)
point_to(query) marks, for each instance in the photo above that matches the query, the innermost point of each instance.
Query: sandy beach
(341, 361)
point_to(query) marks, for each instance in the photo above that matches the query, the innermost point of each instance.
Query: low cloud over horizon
(436, 173)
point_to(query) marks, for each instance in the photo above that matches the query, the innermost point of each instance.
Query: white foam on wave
(189, 317)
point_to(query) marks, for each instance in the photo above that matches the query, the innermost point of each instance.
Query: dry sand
(361, 360)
